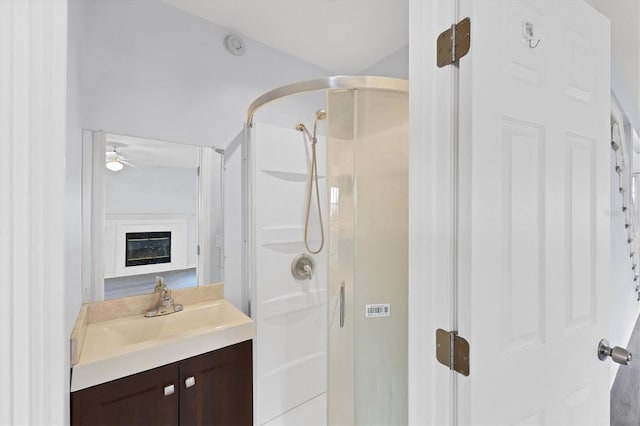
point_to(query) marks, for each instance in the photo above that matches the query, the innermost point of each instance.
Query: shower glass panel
(367, 177)
(330, 348)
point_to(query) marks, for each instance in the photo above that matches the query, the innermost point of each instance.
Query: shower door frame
(338, 82)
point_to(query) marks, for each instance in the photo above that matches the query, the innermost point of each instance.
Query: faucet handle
(160, 285)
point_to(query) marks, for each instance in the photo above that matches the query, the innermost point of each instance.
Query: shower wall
(367, 175)
(290, 314)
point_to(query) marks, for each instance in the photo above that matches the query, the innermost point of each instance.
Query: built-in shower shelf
(286, 239)
(289, 176)
(308, 359)
(291, 303)
(291, 247)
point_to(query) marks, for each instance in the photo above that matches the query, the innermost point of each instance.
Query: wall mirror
(150, 208)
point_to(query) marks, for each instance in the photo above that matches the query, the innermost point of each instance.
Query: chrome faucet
(165, 304)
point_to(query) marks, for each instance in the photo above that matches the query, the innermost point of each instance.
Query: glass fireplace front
(147, 248)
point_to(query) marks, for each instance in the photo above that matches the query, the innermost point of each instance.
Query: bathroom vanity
(210, 389)
(190, 367)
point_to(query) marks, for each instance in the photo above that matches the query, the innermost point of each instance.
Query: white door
(533, 292)
(532, 297)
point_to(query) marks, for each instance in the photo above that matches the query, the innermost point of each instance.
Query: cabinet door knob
(169, 390)
(189, 381)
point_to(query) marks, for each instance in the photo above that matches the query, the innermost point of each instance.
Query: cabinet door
(135, 400)
(220, 387)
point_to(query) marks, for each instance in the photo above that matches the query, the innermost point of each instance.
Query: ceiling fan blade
(123, 161)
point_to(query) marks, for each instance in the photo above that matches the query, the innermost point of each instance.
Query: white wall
(156, 190)
(395, 65)
(624, 305)
(150, 70)
(625, 86)
(155, 71)
(625, 53)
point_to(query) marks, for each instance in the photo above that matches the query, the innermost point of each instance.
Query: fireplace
(147, 243)
(147, 248)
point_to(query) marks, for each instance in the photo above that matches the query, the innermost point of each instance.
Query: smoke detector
(234, 45)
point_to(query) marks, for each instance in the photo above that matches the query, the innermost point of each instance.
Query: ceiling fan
(115, 162)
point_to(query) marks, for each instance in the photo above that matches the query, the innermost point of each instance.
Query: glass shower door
(367, 177)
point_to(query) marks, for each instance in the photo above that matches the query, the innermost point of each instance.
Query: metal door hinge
(452, 351)
(454, 43)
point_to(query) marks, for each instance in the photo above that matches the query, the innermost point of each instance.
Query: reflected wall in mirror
(151, 208)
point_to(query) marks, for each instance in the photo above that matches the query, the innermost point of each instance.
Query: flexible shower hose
(313, 176)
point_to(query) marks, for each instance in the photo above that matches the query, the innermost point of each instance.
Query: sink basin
(125, 346)
(131, 330)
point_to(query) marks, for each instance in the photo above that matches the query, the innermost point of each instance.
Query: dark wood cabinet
(214, 388)
(135, 400)
(222, 391)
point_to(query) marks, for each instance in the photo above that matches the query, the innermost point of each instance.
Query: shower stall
(326, 215)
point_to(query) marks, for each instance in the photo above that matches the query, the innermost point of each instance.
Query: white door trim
(430, 225)
(33, 84)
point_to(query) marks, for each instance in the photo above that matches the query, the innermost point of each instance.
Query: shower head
(302, 128)
(321, 114)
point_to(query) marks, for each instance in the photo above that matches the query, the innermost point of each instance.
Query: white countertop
(125, 346)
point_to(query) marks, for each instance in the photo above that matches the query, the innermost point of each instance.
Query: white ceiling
(341, 36)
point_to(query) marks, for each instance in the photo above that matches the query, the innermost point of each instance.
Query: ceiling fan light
(114, 165)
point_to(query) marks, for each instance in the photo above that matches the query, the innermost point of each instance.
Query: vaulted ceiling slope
(341, 36)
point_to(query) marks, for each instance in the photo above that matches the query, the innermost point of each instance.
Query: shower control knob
(309, 270)
(302, 267)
